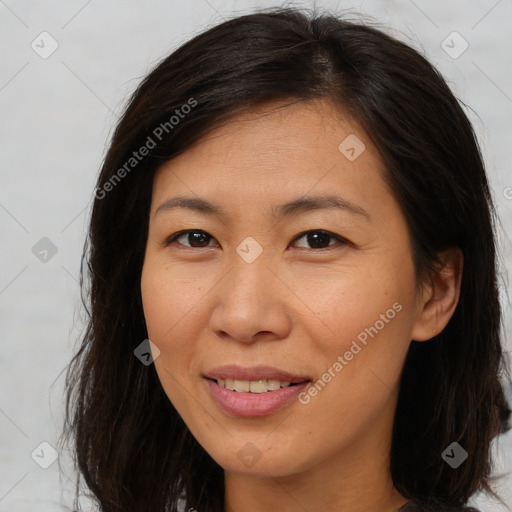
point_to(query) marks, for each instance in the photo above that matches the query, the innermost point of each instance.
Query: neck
(290, 494)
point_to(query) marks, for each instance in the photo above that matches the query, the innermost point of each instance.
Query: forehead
(293, 126)
(277, 151)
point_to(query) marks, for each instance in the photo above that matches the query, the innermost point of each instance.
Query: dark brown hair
(131, 447)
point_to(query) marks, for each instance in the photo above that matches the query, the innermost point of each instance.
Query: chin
(248, 459)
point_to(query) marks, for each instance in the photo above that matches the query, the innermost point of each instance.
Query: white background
(57, 115)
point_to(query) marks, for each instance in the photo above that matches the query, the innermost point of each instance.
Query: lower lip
(254, 404)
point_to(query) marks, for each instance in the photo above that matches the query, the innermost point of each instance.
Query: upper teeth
(252, 386)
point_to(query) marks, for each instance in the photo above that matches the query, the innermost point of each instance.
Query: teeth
(254, 386)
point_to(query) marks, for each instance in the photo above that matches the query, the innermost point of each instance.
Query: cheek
(168, 302)
(368, 334)
(164, 309)
(366, 317)
(172, 309)
(348, 303)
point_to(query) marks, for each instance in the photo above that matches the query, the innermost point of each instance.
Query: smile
(248, 403)
(254, 386)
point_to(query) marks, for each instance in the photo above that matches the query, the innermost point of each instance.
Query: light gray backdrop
(66, 69)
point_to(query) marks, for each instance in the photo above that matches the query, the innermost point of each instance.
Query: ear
(440, 297)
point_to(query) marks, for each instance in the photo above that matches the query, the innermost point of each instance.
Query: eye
(192, 236)
(198, 239)
(319, 237)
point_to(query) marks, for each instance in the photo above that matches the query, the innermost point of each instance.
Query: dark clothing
(433, 506)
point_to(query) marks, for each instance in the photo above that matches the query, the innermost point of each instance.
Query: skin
(297, 306)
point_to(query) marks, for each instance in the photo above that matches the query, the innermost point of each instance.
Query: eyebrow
(297, 206)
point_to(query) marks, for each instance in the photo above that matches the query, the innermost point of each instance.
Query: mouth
(254, 386)
(257, 379)
(254, 379)
(254, 398)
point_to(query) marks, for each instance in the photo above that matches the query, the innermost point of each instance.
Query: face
(322, 290)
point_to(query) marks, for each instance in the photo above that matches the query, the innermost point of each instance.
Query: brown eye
(196, 238)
(319, 239)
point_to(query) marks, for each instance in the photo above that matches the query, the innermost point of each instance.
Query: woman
(293, 300)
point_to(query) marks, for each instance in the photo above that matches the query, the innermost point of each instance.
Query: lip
(236, 372)
(253, 404)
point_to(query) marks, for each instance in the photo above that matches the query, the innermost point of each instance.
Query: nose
(251, 303)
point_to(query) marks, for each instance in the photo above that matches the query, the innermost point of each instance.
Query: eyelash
(340, 239)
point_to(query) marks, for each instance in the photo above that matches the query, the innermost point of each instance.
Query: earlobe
(440, 297)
